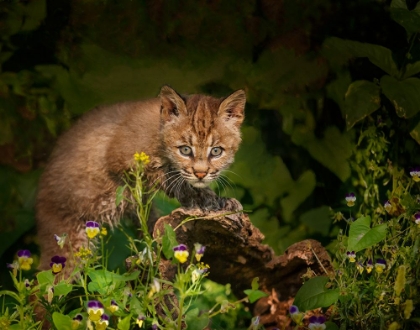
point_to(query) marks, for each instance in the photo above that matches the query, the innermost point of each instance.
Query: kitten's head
(200, 134)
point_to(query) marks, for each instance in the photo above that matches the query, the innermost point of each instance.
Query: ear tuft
(172, 103)
(232, 108)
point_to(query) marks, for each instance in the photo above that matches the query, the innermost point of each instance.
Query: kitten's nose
(200, 175)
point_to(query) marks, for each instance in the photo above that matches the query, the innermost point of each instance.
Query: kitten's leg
(207, 200)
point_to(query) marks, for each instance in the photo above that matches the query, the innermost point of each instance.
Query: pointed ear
(172, 104)
(232, 108)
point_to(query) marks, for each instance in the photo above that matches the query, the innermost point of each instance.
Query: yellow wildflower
(92, 229)
(83, 253)
(181, 253)
(104, 232)
(142, 158)
(24, 259)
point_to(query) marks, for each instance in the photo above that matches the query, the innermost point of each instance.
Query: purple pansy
(57, 264)
(316, 322)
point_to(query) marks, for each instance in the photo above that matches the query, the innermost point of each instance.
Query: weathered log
(236, 255)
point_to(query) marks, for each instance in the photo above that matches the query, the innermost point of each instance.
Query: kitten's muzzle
(201, 182)
(200, 175)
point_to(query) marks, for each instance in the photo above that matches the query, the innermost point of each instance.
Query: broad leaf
(332, 151)
(124, 324)
(196, 318)
(104, 281)
(331, 326)
(62, 289)
(313, 294)
(403, 94)
(361, 99)
(168, 242)
(408, 19)
(378, 55)
(62, 322)
(254, 295)
(411, 69)
(415, 133)
(45, 278)
(317, 219)
(361, 236)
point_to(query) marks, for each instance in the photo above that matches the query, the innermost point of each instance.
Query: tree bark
(236, 255)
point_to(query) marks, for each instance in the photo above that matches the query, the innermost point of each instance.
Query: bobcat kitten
(189, 139)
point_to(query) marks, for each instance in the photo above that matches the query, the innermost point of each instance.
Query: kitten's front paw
(230, 204)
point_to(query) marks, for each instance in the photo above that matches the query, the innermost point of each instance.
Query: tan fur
(88, 162)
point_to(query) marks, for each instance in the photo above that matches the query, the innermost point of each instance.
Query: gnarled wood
(236, 254)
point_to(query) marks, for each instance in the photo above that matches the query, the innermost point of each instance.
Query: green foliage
(95, 298)
(254, 294)
(403, 94)
(398, 85)
(408, 19)
(375, 277)
(168, 242)
(62, 321)
(313, 294)
(362, 98)
(362, 236)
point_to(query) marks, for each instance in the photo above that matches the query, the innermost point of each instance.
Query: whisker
(178, 186)
(225, 183)
(228, 181)
(174, 183)
(240, 177)
(219, 180)
(161, 177)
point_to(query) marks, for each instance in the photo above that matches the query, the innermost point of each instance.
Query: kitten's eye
(216, 151)
(185, 150)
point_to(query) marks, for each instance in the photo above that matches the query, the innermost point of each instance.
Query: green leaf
(62, 288)
(62, 322)
(313, 294)
(34, 13)
(333, 151)
(254, 284)
(168, 242)
(300, 190)
(361, 99)
(254, 295)
(196, 318)
(404, 95)
(104, 281)
(318, 219)
(119, 195)
(124, 324)
(331, 326)
(411, 69)
(415, 133)
(45, 278)
(378, 55)
(269, 226)
(408, 19)
(361, 236)
(336, 89)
